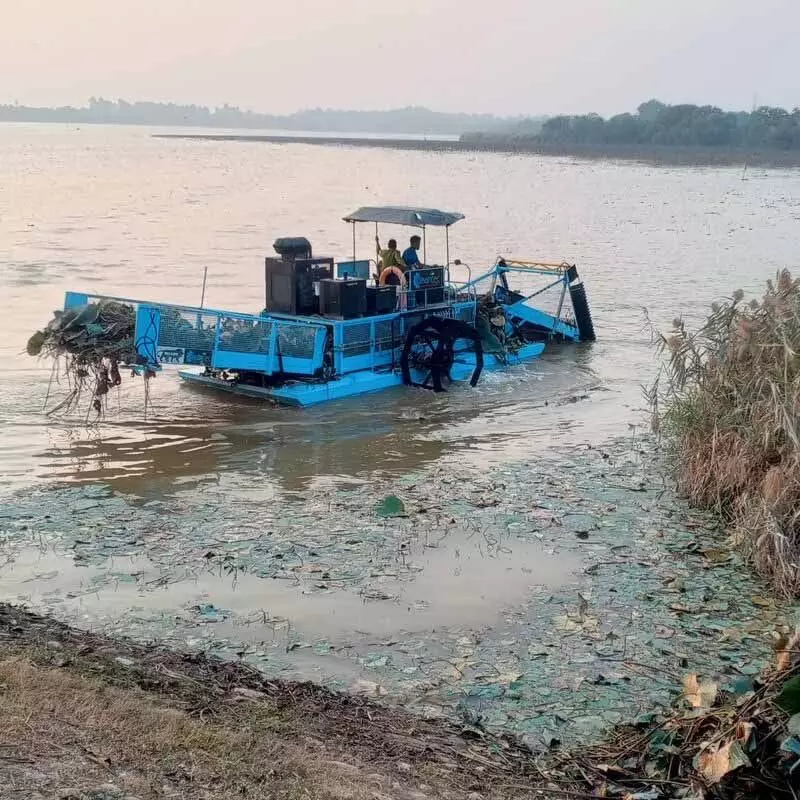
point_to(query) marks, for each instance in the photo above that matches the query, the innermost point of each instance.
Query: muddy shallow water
(528, 572)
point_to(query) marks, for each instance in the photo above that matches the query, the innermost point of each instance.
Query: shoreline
(589, 589)
(90, 717)
(662, 156)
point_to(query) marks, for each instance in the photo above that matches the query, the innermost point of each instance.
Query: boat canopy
(401, 215)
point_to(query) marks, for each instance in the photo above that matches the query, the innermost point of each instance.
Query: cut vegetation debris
(728, 400)
(741, 743)
(88, 345)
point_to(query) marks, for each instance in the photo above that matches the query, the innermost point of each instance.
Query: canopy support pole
(447, 244)
(354, 241)
(424, 247)
(203, 293)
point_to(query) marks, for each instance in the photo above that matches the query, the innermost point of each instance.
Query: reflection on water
(395, 432)
(670, 239)
(186, 434)
(464, 579)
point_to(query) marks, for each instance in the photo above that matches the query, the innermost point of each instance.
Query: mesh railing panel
(385, 335)
(355, 339)
(187, 330)
(296, 341)
(244, 336)
(408, 322)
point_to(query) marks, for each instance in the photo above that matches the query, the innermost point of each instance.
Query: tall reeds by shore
(727, 401)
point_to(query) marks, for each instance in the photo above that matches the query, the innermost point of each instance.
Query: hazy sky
(502, 56)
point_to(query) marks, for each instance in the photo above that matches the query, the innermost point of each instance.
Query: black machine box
(290, 286)
(343, 298)
(381, 299)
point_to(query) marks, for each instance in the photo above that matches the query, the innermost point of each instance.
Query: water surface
(111, 209)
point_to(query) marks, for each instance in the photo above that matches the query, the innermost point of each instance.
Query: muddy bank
(284, 739)
(551, 599)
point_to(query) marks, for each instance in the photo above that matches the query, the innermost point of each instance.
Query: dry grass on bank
(60, 731)
(729, 401)
(79, 710)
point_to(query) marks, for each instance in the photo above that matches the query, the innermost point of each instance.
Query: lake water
(109, 209)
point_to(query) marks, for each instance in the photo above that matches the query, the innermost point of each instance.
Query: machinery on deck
(336, 329)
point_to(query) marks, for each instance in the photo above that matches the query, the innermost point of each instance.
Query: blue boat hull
(301, 393)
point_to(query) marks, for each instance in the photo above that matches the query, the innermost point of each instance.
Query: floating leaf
(537, 651)
(499, 677)
(714, 766)
(572, 682)
(716, 555)
(791, 745)
(390, 506)
(741, 686)
(308, 568)
(571, 624)
(789, 698)
(699, 695)
(566, 624)
(209, 612)
(369, 688)
(374, 661)
(764, 602)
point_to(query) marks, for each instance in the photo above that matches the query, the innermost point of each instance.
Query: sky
(496, 56)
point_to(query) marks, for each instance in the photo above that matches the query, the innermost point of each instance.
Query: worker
(410, 254)
(390, 257)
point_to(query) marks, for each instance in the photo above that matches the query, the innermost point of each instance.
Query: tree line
(416, 120)
(658, 124)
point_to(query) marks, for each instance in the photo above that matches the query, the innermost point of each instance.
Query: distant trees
(402, 120)
(656, 123)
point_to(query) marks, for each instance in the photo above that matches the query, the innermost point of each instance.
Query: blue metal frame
(157, 348)
(520, 309)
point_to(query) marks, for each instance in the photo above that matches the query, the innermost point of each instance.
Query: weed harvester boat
(331, 329)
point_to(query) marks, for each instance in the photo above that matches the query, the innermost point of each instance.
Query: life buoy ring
(396, 271)
(402, 296)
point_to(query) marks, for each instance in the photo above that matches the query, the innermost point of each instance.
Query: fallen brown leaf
(715, 765)
(785, 653)
(744, 730)
(699, 695)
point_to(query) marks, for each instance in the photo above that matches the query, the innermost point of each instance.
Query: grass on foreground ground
(79, 711)
(728, 401)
